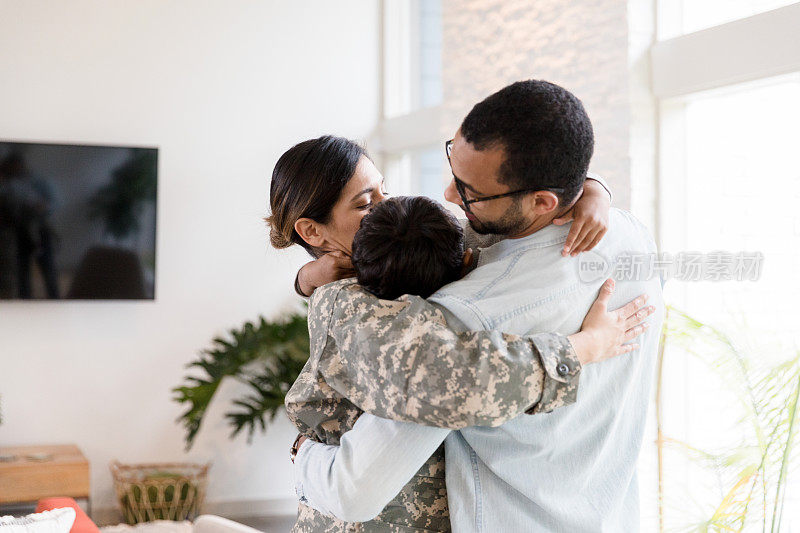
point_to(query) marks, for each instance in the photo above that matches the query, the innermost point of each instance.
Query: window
(410, 147)
(412, 58)
(417, 172)
(728, 105)
(680, 17)
(740, 150)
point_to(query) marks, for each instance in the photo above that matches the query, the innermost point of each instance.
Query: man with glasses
(581, 237)
(468, 197)
(519, 162)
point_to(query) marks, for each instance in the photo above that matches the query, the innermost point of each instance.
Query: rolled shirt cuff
(562, 372)
(299, 458)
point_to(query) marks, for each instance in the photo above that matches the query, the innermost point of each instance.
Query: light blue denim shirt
(570, 470)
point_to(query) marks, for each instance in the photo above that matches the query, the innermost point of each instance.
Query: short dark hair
(544, 130)
(408, 245)
(307, 181)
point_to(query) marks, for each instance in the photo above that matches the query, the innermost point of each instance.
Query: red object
(83, 524)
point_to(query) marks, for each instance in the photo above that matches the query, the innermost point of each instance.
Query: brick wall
(581, 45)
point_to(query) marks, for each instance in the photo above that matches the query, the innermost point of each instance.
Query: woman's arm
(400, 359)
(331, 267)
(357, 479)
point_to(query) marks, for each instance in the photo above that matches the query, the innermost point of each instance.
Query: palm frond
(267, 356)
(752, 475)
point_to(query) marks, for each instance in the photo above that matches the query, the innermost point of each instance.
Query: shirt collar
(550, 235)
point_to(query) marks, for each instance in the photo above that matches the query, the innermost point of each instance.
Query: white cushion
(155, 526)
(53, 521)
(203, 524)
(209, 523)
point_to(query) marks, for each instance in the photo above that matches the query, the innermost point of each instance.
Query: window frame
(398, 135)
(759, 47)
(747, 50)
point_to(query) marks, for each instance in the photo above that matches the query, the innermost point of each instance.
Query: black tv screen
(77, 222)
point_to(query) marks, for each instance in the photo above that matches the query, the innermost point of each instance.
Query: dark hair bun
(276, 238)
(307, 181)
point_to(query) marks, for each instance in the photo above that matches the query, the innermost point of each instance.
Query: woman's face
(365, 189)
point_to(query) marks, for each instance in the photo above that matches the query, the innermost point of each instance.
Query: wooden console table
(27, 479)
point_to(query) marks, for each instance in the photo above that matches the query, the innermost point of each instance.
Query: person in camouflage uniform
(440, 378)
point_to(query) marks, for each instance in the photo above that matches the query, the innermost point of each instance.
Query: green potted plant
(266, 356)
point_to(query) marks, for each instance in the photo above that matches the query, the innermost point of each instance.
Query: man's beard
(511, 223)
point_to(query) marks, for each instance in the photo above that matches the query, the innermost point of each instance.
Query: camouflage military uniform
(421, 372)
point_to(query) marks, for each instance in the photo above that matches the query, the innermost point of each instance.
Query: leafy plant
(266, 356)
(751, 476)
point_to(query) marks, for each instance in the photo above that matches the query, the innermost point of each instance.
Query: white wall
(222, 87)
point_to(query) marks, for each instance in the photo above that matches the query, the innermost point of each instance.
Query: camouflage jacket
(398, 359)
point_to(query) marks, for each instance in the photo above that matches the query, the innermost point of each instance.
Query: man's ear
(544, 202)
(467, 264)
(310, 231)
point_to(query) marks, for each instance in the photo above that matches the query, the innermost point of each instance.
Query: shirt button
(563, 369)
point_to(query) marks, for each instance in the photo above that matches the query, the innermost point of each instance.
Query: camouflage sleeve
(398, 359)
(559, 359)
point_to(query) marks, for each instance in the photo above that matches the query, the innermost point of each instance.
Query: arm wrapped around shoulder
(398, 359)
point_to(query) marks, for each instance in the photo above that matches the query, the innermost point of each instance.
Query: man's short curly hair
(408, 245)
(544, 130)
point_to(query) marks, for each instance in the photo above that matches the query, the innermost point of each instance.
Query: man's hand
(330, 267)
(590, 215)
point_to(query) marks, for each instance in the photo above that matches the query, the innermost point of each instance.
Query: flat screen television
(77, 222)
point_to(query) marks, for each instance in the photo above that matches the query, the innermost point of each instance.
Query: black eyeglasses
(462, 190)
